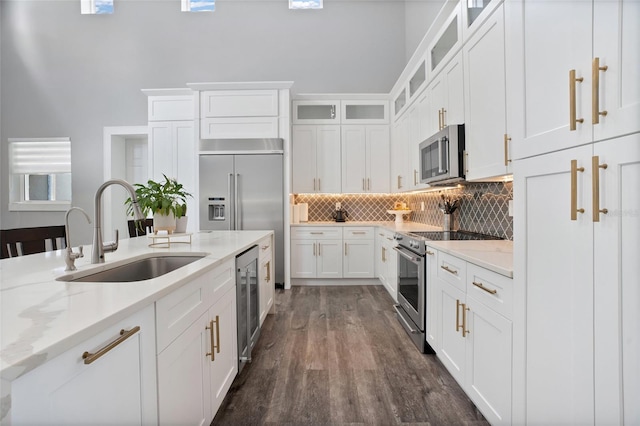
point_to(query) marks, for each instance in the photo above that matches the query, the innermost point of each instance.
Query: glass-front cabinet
(474, 13)
(365, 112)
(316, 112)
(399, 102)
(447, 43)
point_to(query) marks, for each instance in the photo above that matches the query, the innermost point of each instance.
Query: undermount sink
(140, 269)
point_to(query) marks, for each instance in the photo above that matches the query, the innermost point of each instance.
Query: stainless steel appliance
(412, 279)
(242, 187)
(442, 156)
(248, 312)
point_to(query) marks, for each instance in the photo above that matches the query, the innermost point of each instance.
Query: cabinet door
(434, 103)
(67, 391)
(316, 112)
(488, 365)
(415, 115)
(184, 389)
(358, 259)
(329, 258)
(485, 100)
(267, 285)
(555, 290)
(452, 351)
(454, 106)
(354, 168)
(433, 317)
(303, 159)
(239, 103)
(615, 39)
(161, 148)
(377, 159)
(303, 258)
(399, 156)
(328, 159)
(556, 39)
(223, 363)
(616, 274)
(186, 154)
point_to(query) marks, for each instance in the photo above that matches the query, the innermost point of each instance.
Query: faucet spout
(99, 249)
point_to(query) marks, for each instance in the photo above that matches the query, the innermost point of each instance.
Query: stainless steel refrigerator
(242, 188)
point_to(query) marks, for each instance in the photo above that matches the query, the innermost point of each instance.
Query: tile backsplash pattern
(484, 207)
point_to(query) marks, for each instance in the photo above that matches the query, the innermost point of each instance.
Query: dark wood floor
(337, 355)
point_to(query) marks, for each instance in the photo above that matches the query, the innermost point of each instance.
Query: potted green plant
(166, 201)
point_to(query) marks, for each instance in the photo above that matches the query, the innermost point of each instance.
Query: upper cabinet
(581, 71)
(365, 112)
(446, 98)
(418, 79)
(238, 114)
(316, 159)
(399, 102)
(486, 135)
(446, 43)
(474, 13)
(365, 158)
(316, 112)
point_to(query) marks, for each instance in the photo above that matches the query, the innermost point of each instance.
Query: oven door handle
(411, 329)
(406, 255)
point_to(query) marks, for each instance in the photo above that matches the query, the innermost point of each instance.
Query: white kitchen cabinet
(432, 332)
(415, 115)
(486, 135)
(118, 387)
(579, 285)
(316, 159)
(446, 42)
(400, 155)
(359, 249)
(316, 112)
(474, 336)
(266, 276)
(239, 128)
(364, 112)
(445, 97)
(239, 103)
(316, 252)
(561, 39)
(200, 361)
(387, 262)
(474, 14)
(365, 158)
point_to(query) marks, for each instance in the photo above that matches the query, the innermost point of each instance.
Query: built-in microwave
(442, 156)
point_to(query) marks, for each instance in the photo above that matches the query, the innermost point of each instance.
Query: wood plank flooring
(338, 356)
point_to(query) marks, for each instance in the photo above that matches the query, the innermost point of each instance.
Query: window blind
(40, 156)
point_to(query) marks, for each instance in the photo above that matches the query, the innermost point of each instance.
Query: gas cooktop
(452, 235)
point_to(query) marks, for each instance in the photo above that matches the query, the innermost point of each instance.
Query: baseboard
(334, 281)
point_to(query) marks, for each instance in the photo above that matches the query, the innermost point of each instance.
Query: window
(96, 7)
(305, 4)
(198, 5)
(40, 174)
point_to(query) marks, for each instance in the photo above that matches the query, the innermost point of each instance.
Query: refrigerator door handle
(230, 201)
(236, 200)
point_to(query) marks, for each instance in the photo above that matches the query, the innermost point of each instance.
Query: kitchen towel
(304, 212)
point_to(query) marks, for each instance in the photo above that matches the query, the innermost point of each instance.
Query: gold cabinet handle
(345, 249)
(458, 315)
(364, 187)
(574, 189)
(88, 357)
(572, 100)
(506, 149)
(595, 91)
(314, 249)
(451, 271)
(444, 119)
(368, 184)
(318, 249)
(399, 181)
(384, 254)
(482, 287)
(358, 232)
(316, 232)
(319, 185)
(268, 266)
(430, 253)
(464, 320)
(465, 162)
(440, 119)
(264, 248)
(314, 184)
(415, 177)
(215, 347)
(595, 187)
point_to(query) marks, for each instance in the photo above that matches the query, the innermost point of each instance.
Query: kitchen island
(43, 317)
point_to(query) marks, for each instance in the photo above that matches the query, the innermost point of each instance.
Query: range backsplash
(483, 208)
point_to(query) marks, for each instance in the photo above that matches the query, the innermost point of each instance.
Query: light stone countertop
(495, 255)
(41, 317)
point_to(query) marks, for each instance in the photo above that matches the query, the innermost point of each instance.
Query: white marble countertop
(42, 317)
(495, 255)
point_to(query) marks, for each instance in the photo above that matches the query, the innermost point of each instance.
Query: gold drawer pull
(595, 187)
(572, 100)
(464, 319)
(358, 232)
(316, 233)
(451, 271)
(88, 357)
(595, 90)
(488, 290)
(458, 315)
(268, 277)
(574, 189)
(264, 247)
(430, 253)
(215, 347)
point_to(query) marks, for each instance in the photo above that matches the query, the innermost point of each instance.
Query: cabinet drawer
(490, 288)
(176, 311)
(239, 103)
(266, 247)
(452, 270)
(358, 233)
(163, 108)
(316, 233)
(239, 128)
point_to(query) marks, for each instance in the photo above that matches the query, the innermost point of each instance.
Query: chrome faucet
(99, 249)
(69, 255)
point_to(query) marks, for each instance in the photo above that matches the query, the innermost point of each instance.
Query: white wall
(419, 15)
(67, 74)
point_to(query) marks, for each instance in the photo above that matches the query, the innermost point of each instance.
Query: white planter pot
(164, 223)
(181, 224)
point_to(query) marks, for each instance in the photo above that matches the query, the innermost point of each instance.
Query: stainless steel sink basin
(141, 269)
